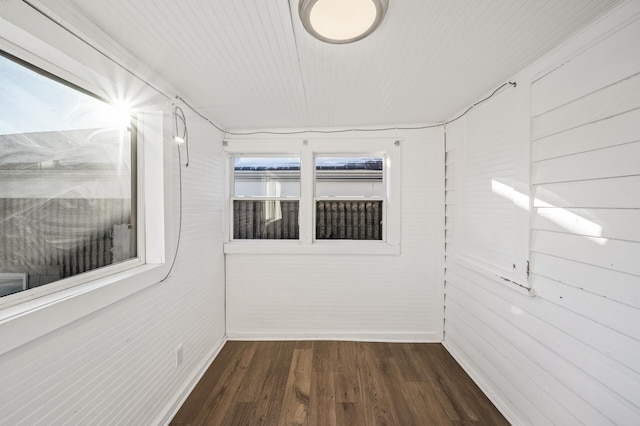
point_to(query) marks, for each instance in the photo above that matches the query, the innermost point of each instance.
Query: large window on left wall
(67, 180)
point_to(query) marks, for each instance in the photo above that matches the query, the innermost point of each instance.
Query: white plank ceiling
(250, 64)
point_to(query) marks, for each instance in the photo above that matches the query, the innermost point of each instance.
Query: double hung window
(319, 195)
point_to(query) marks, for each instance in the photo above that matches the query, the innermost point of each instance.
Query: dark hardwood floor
(336, 383)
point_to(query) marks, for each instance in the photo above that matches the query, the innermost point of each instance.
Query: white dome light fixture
(341, 21)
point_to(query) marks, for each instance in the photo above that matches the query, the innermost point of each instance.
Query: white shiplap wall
(116, 365)
(361, 297)
(571, 354)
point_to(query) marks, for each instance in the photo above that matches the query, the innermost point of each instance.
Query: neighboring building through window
(67, 180)
(266, 198)
(349, 198)
(349, 203)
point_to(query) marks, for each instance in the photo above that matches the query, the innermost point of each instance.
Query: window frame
(137, 205)
(308, 150)
(28, 315)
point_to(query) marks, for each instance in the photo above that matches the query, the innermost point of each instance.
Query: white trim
(189, 385)
(318, 247)
(66, 283)
(486, 388)
(365, 336)
(152, 187)
(35, 318)
(306, 208)
(307, 150)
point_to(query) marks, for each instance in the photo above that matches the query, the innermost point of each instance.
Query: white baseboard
(484, 386)
(189, 384)
(398, 337)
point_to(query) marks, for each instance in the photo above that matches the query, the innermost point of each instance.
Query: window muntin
(266, 198)
(67, 178)
(350, 197)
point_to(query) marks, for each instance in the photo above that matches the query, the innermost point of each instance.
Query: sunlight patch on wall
(560, 216)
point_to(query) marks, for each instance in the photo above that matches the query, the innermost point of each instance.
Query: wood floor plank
(421, 394)
(256, 375)
(421, 357)
(221, 398)
(349, 414)
(324, 356)
(456, 391)
(336, 383)
(377, 407)
(304, 344)
(242, 414)
(202, 391)
(347, 374)
(407, 408)
(474, 396)
(271, 396)
(410, 366)
(322, 400)
(295, 408)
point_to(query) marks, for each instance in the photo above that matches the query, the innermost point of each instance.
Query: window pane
(349, 177)
(66, 180)
(349, 220)
(266, 176)
(265, 220)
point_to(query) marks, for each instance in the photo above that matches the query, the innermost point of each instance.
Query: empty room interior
(320, 212)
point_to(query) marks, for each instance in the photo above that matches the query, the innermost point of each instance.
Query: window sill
(22, 323)
(318, 247)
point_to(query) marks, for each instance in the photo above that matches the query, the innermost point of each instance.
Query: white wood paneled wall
(117, 366)
(361, 297)
(571, 354)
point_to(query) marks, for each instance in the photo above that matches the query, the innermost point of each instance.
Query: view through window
(349, 197)
(67, 180)
(266, 198)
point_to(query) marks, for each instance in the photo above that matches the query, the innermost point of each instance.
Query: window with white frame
(265, 198)
(68, 180)
(324, 196)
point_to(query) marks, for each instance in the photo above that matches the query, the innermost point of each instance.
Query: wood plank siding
(571, 354)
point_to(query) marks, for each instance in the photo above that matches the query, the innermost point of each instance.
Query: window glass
(349, 192)
(266, 176)
(67, 180)
(265, 220)
(277, 178)
(349, 177)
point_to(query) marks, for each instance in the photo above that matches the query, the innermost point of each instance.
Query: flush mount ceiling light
(341, 21)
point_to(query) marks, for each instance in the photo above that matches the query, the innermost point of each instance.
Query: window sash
(386, 148)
